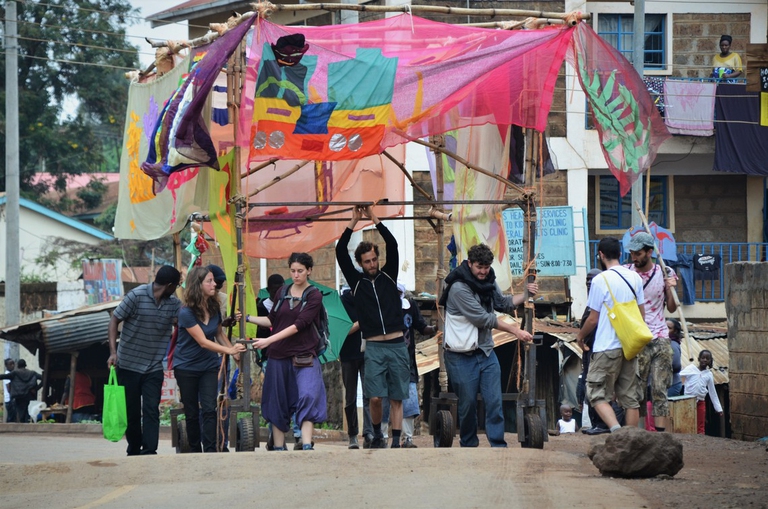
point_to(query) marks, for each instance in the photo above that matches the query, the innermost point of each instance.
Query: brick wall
(696, 39)
(746, 304)
(708, 208)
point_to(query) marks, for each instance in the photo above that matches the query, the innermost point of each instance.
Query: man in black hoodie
(380, 315)
(24, 386)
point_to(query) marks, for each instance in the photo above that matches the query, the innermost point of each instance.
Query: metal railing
(708, 286)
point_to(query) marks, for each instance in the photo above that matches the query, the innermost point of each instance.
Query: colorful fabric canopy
(339, 95)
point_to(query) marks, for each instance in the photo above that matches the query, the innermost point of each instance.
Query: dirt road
(88, 472)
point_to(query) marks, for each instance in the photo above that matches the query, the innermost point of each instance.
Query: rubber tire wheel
(534, 432)
(444, 430)
(246, 436)
(182, 447)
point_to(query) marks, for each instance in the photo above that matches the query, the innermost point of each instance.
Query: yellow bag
(628, 323)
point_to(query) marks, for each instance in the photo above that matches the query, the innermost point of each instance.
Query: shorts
(387, 370)
(610, 374)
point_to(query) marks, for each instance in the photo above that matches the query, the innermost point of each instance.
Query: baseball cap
(640, 241)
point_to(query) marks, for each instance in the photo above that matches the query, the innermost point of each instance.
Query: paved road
(89, 472)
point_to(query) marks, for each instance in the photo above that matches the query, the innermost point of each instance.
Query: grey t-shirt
(147, 328)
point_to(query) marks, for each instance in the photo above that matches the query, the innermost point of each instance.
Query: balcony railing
(708, 286)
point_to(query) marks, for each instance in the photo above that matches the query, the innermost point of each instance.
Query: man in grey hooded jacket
(472, 293)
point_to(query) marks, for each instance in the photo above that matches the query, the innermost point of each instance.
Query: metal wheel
(182, 447)
(534, 432)
(443, 429)
(246, 435)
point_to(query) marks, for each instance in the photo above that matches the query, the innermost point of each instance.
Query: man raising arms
(380, 316)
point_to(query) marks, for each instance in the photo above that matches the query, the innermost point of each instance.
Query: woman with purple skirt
(294, 380)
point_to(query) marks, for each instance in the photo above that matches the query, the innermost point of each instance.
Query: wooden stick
(251, 171)
(664, 271)
(515, 25)
(463, 161)
(436, 9)
(407, 175)
(265, 9)
(279, 178)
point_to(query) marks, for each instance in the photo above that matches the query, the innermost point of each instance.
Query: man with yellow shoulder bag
(612, 374)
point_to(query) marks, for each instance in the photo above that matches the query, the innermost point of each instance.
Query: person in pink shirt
(654, 362)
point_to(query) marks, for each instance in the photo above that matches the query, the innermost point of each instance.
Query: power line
(134, 51)
(76, 62)
(100, 32)
(129, 16)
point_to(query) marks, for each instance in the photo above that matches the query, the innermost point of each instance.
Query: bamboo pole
(664, 271)
(251, 171)
(432, 9)
(463, 161)
(407, 175)
(442, 376)
(278, 178)
(530, 23)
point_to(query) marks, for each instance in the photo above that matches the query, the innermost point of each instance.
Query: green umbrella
(338, 320)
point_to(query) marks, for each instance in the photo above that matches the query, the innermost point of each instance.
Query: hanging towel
(220, 113)
(690, 107)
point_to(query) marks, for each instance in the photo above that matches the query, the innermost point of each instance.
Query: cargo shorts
(610, 374)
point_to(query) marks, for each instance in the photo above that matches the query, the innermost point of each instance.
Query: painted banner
(102, 280)
(142, 214)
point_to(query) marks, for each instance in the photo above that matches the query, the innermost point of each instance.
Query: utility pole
(638, 60)
(12, 262)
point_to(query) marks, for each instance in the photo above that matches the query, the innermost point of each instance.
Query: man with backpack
(380, 315)
(610, 374)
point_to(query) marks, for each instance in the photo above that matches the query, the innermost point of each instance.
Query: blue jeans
(142, 404)
(470, 374)
(198, 395)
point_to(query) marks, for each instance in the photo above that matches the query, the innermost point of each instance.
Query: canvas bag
(114, 417)
(630, 327)
(460, 334)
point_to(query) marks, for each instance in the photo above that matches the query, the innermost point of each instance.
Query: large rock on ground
(633, 452)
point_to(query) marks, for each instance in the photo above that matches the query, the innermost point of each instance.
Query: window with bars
(618, 30)
(616, 211)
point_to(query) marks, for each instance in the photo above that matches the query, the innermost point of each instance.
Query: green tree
(69, 49)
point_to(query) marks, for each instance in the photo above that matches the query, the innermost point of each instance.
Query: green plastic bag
(114, 417)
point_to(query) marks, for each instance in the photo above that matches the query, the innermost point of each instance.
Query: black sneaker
(367, 440)
(378, 443)
(353, 442)
(408, 444)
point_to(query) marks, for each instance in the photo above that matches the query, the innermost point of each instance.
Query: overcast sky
(141, 30)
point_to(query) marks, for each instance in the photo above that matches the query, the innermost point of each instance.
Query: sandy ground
(88, 472)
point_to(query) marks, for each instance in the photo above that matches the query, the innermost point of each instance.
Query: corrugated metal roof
(75, 332)
(36, 333)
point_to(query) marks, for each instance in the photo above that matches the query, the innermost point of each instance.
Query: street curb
(48, 428)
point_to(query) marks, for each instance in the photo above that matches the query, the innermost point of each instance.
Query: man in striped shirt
(149, 313)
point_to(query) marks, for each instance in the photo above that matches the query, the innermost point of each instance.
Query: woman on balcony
(726, 65)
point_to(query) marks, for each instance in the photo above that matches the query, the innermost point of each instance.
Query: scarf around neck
(484, 289)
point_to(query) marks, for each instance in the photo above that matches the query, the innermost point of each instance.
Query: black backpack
(320, 325)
